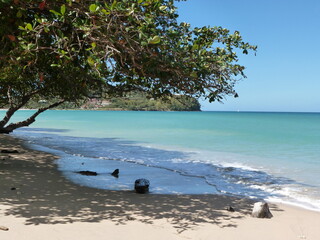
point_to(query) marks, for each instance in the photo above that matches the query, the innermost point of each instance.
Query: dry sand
(37, 202)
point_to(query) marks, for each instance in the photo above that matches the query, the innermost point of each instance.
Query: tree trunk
(8, 129)
(12, 109)
(4, 131)
(9, 114)
(7, 117)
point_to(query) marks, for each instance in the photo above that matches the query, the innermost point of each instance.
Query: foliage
(135, 101)
(140, 102)
(64, 49)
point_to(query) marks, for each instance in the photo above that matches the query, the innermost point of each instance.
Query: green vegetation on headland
(139, 102)
(131, 102)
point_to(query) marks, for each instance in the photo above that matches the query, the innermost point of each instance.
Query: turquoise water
(275, 156)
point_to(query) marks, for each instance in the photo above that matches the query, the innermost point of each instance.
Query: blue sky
(284, 75)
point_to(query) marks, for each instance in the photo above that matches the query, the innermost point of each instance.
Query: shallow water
(263, 155)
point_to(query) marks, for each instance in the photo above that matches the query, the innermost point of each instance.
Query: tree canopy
(70, 49)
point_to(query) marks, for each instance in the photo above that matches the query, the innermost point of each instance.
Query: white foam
(291, 196)
(222, 159)
(309, 205)
(284, 194)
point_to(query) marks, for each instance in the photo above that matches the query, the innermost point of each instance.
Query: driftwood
(9, 151)
(88, 173)
(3, 228)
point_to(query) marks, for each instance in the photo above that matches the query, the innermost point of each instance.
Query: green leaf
(29, 26)
(195, 47)
(30, 46)
(154, 40)
(55, 12)
(93, 7)
(55, 65)
(19, 14)
(90, 60)
(105, 12)
(24, 46)
(93, 45)
(63, 9)
(162, 8)
(114, 4)
(194, 74)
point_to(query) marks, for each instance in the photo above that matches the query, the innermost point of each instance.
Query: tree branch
(30, 120)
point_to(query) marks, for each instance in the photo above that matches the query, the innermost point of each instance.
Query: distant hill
(140, 102)
(131, 102)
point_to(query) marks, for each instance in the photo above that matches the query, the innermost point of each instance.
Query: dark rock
(228, 169)
(131, 218)
(13, 188)
(88, 173)
(115, 173)
(141, 185)
(261, 210)
(9, 151)
(230, 209)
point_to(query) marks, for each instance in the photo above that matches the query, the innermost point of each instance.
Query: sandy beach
(37, 202)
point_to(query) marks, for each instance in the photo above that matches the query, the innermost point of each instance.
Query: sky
(284, 74)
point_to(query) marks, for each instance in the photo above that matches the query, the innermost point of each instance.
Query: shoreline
(36, 198)
(218, 111)
(159, 176)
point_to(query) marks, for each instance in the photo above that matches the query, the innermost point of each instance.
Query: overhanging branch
(29, 120)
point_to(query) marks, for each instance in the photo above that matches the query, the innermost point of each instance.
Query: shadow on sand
(35, 190)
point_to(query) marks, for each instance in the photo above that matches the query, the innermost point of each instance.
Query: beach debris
(131, 218)
(4, 228)
(141, 185)
(228, 169)
(230, 209)
(9, 151)
(88, 173)
(115, 173)
(261, 210)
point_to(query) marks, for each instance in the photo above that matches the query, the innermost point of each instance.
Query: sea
(259, 155)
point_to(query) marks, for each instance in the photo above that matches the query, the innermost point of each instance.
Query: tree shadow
(33, 189)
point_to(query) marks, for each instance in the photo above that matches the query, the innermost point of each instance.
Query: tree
(69, 49)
